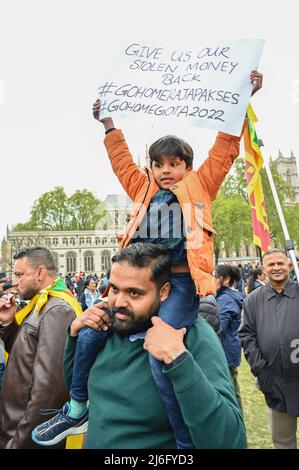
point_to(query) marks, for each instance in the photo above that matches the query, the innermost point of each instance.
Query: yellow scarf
(56, 289)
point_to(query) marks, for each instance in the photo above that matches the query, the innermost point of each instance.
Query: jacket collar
(289, 290)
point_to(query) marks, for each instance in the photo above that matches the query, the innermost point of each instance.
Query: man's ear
(164, 291)
(42, 273)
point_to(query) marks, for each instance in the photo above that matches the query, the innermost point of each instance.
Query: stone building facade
(287, 168)
(75, 251)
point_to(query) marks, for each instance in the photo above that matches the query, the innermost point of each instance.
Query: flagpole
(289, 242)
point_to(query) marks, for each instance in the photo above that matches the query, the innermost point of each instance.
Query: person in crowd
(208, 309)
(7, 288)
(68, 281)
(90, 295)
(125, 408)
(34, 337)
(230, 303)
(75, 279)
(3, 280)
(240, 285)
(257, 279)
(105, 278)
(80, 284)
(269, 335)
(248, 270)
(101, 289)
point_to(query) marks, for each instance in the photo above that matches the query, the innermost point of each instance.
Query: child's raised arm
(128, 173)
(107, 121)
(256, 79)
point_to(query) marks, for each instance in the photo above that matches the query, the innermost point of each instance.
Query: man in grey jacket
(33, 378)
(269, 334)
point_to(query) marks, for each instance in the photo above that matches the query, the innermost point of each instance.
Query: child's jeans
(179, 310)
(89, 343)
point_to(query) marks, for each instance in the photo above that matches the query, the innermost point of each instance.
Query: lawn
(255, 411)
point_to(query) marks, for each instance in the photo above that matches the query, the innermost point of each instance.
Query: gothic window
(72, 241)
(88, 261)
(81, 241)
(65, 241)
(55, 241)
(289, 176)
(71, 262)
(88, 241)
(106, 260)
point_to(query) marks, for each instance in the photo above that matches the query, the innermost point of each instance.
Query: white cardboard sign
(206, 84)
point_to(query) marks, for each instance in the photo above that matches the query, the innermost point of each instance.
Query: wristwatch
(177, 359)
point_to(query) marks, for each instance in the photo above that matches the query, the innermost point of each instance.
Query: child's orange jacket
(195, 193)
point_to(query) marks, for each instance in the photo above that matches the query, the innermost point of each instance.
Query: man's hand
(256, 79)
(94, 317)
(162, 341)
(96, 111)
(8, 309)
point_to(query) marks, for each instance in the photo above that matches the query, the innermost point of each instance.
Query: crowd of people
(130, 358)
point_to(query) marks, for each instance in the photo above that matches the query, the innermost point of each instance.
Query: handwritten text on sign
(209, 85)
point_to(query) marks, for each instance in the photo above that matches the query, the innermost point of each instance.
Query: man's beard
(135, 325)
(29, 293)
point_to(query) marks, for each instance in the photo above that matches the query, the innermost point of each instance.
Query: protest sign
(208, 84)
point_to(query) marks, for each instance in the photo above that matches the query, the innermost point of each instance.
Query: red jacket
(195, 193)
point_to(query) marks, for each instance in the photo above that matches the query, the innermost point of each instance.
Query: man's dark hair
(141, 255)
(38, 256)
(88, 280)
(171, 145)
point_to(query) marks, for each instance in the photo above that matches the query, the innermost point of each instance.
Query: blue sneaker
(59, 427)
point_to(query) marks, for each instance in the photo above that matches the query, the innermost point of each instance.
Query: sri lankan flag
(254, 163)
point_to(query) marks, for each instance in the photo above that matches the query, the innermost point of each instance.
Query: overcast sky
(52, 57)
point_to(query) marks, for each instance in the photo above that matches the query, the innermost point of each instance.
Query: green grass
(255, 410)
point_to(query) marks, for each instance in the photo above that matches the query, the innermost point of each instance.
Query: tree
(284, 192)
(235, 184)
(51, 211)
(86, 210)
(24, 227)
(55, 211)
(232, 222)
(291, 214)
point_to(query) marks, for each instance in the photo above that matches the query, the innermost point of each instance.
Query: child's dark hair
(228, 271)
(171, 145)
(251, 280)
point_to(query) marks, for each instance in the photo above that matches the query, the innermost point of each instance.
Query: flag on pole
(254, 163)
